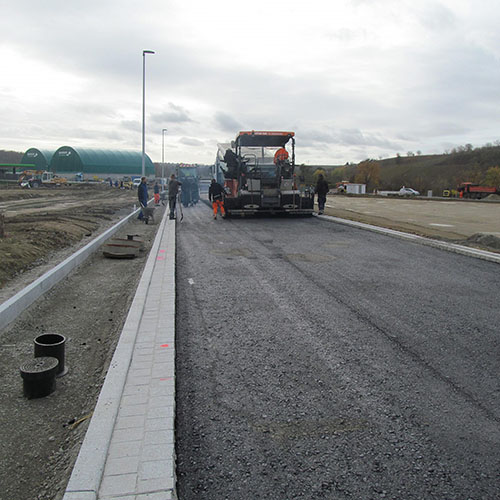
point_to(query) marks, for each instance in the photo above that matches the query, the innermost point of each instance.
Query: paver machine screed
(259, 175)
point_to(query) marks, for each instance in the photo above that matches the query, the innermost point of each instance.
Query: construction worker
(173, 189)
(231, 161)
(156, 191)
(321, 190)
(281, 156)
(216, 196)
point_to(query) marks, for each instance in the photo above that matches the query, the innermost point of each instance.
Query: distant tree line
(422, 172)
(10, 156)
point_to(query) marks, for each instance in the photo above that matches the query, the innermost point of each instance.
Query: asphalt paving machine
(259, 175)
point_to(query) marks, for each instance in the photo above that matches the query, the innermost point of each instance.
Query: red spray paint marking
(160, 258)
(162, 251)
(167, 378)
(164, 345)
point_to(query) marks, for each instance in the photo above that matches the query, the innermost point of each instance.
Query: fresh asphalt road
(316, 360)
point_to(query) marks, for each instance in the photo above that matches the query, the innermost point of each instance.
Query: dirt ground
(39, 222)
(470, 223)
(41, 437)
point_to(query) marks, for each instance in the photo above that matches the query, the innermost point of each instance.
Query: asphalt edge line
(89, 466)
(449, 247)
(15, 305)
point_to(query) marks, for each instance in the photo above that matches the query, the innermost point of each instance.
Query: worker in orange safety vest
(216, 196)
(280, 156)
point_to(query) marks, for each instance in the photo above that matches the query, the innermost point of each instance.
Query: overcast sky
(354, 79)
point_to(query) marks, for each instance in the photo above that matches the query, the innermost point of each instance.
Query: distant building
(99, 162)
(351, 188)
(41, 158)
(89, 162)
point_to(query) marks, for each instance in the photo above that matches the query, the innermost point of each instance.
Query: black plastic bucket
(39, 377)
(52, 344)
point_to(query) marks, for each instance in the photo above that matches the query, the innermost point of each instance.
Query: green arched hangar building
(68, 160)
(100, 162)
(41, 158)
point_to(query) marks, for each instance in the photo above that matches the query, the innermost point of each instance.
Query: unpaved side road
(473, 223)
(41, 437)
(320, 361)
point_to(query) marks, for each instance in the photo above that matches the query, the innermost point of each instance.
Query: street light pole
(163, 152)
(144, 52)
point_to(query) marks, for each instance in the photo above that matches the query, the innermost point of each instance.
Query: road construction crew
(216, 196)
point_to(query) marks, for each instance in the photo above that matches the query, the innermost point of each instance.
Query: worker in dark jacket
(173, 189)
(321, 190)
(231, 161)
(142, 194)
(216, 196)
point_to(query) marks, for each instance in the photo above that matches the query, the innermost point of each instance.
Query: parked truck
(37, 178)
(475, 191)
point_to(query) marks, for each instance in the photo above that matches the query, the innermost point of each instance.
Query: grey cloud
(438, 129)
(189, 141)
(226, 122)
(309, 137)
(175, 114)
(346, 137)
(133, 125)
(435, 17)
(358, 138)
(352, 137)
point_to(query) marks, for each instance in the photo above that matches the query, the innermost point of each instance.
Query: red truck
(475, 191)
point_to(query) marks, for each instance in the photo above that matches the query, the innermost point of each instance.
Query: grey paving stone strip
(450, 247)
(11, 308)
(128, 450)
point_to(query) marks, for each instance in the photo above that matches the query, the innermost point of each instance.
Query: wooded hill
(421, 172)
(10, 156)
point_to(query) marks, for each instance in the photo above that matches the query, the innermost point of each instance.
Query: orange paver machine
(259, 175)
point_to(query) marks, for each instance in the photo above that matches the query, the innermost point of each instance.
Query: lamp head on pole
(147, 52)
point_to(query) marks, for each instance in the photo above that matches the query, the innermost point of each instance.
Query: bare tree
(368, 172)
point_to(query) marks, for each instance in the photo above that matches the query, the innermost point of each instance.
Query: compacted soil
(39, 222)
(41, 437)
